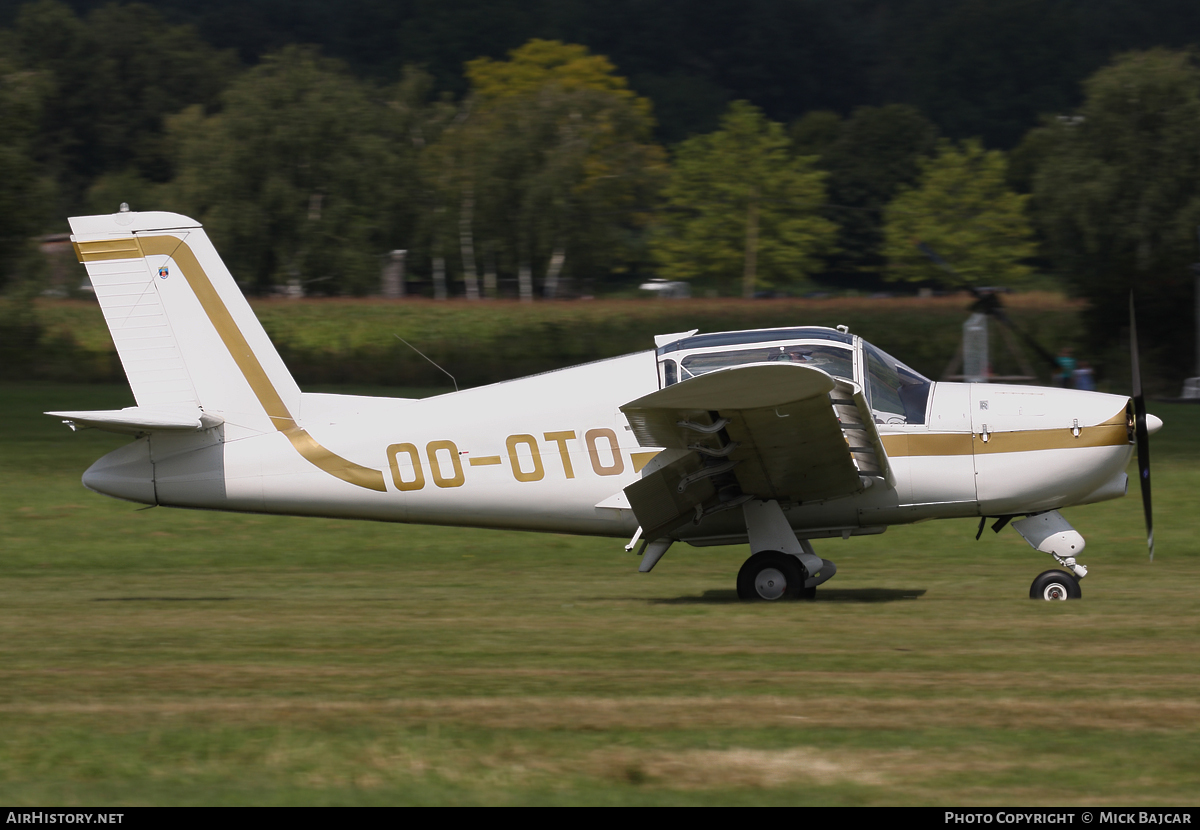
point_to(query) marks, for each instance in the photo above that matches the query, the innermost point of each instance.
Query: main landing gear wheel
(770, 576)
(1053, 585)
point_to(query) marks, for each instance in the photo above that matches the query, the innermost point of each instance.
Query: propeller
(1143, 436)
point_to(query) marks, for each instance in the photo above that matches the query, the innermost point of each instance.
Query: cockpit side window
(670, 373)
(897, 394)
(835, 360)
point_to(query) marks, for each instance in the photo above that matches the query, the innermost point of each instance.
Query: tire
(770, 576)
(1055, 585)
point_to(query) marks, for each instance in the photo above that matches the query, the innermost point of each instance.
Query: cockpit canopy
(896, 393)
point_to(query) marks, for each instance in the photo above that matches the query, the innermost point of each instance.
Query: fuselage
(553, 452)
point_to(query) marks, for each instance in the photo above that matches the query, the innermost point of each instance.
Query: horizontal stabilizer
(136, 420)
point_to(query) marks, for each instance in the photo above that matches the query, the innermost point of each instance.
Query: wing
(768, 431)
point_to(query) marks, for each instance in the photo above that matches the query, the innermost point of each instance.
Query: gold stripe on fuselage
(1053, 439)
(1111, 433)
(938, 443)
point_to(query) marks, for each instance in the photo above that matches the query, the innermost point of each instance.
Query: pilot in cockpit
(792, 355)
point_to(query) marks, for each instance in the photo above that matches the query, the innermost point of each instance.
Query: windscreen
(897, 394)
(835, 360)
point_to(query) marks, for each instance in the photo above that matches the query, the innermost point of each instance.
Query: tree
(876, 152)
(111, 81)
(294, 177)
(815, 132)
(739, 202)
(1117, 196)
(550, 163)
(965, 211)
(24, 191)
(411, 188)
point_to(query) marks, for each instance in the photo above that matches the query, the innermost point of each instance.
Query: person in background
(1084, 378)
(1066, 368)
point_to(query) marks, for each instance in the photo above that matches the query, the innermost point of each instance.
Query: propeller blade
(1142, 435)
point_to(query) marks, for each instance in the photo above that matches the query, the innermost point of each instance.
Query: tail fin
(189, 342)
(186, 336)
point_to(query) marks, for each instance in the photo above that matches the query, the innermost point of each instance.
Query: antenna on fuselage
(427, 357)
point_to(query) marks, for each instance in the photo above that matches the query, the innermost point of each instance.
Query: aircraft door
(940, 458)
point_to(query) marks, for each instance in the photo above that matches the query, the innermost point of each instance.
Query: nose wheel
(1055, 585)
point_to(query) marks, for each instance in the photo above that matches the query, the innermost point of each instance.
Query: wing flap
(658, 501)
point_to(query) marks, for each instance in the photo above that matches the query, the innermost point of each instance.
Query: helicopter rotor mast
(988, 303)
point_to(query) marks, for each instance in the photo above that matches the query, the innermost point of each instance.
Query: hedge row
(355, 342)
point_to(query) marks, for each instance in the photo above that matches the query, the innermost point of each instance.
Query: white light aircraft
(773, 437)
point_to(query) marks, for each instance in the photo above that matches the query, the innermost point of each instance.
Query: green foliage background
(548, 149)
(963, 209)
(737, 202)
(1118, 197)
(293, 177)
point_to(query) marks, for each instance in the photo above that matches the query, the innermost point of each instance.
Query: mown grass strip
(176, 657)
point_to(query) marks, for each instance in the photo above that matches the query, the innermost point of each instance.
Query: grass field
(178, 657)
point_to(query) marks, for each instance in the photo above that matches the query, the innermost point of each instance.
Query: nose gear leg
(1051, 533)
